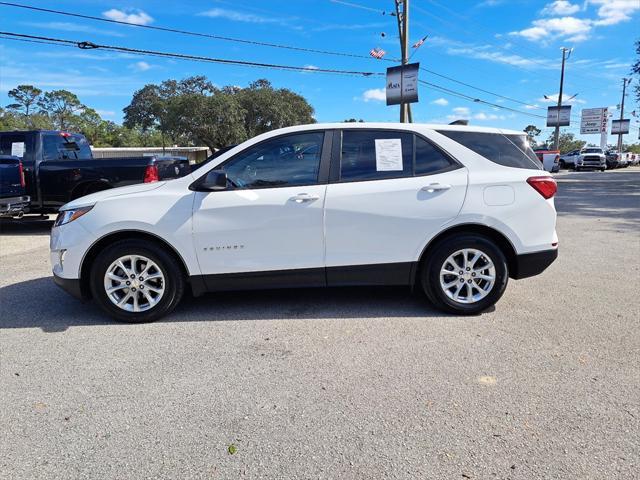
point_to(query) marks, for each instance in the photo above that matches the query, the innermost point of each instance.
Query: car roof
(405, 126)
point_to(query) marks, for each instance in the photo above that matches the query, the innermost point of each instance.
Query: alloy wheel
(134, 283)
(467, 276)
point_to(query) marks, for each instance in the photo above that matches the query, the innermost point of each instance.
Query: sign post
(402, 84)
(593, 121)
(559, 116)
(620, 127)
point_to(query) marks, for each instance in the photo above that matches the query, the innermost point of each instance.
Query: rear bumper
(69, 285)
(14, 205)
(530, 264)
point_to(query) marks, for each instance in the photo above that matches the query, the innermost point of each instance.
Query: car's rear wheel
(465, 274)
(136, 281)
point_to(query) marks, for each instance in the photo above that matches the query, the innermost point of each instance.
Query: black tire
(174, 282)
(430, 273)
(562, 165)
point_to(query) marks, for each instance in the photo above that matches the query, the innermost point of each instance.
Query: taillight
(151, 174)
(545, 186)
(21, 173)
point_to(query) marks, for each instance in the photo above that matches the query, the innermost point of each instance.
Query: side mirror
(215, 180)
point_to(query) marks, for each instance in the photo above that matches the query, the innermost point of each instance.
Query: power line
(478, 100)
(185, 32)
(267, 44)
(357, 5)
(93, 46)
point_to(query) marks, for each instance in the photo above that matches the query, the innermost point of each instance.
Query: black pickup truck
(59, 167)
(13, 200)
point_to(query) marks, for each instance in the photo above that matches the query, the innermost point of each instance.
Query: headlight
(67, 216)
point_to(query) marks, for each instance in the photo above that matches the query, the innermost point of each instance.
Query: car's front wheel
(465, 274)
(136, 281)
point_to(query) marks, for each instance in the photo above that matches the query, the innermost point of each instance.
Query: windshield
(592, 150)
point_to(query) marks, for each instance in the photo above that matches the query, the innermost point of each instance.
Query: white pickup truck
(591, 158)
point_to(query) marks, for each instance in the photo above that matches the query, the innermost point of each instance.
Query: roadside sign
(559, 117)
(402, 84)
(593, 120)
(620, 126)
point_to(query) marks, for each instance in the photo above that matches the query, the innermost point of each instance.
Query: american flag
(377, 53)
(419, 42)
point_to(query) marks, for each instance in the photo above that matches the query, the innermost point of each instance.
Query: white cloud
(560, 7)
(612, 12)
(140, 66)
(130, 16)
(532, 107)
(461, 111)
(570, 28)
(374, 94)
(106, 113)
(441, 101)
(72, 27)
(490, 54)
(488, 116)
(239, 16)
(563, 25)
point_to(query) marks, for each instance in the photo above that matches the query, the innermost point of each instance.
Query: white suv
(452, 210)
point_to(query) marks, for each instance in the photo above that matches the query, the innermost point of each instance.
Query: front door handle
(304, 197)
(436, 187)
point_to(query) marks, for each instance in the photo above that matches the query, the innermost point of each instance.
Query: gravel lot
(355, 383)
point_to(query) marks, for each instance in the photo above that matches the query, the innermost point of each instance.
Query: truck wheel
(136, 281)
(465, 274)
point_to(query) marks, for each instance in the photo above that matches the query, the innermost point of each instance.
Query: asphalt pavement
(336, 384)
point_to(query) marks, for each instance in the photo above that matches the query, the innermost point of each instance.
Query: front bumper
(530, 264)
(70, 285)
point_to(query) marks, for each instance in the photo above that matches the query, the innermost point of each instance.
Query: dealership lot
(352, 383)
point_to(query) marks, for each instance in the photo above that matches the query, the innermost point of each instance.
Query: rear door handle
(436, 187)
(304, 197)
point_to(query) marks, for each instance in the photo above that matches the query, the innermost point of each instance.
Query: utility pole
(556, 141)
(403, 33)
(625, 82)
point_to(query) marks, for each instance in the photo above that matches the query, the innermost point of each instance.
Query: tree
(532, 132)
(60, 105)
(26, 97)
(193, 110)
(567, 142)
(218, 123)
(267, 108)
(90, 124)
(149, 107)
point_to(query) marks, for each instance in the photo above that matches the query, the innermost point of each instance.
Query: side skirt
(353, 275)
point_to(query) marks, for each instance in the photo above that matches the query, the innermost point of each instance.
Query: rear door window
(507, 150)
(65, 147)
(375, 155)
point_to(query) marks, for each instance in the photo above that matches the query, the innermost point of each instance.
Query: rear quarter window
(507, 150)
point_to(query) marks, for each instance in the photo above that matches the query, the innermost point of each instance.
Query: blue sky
(507, 47)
